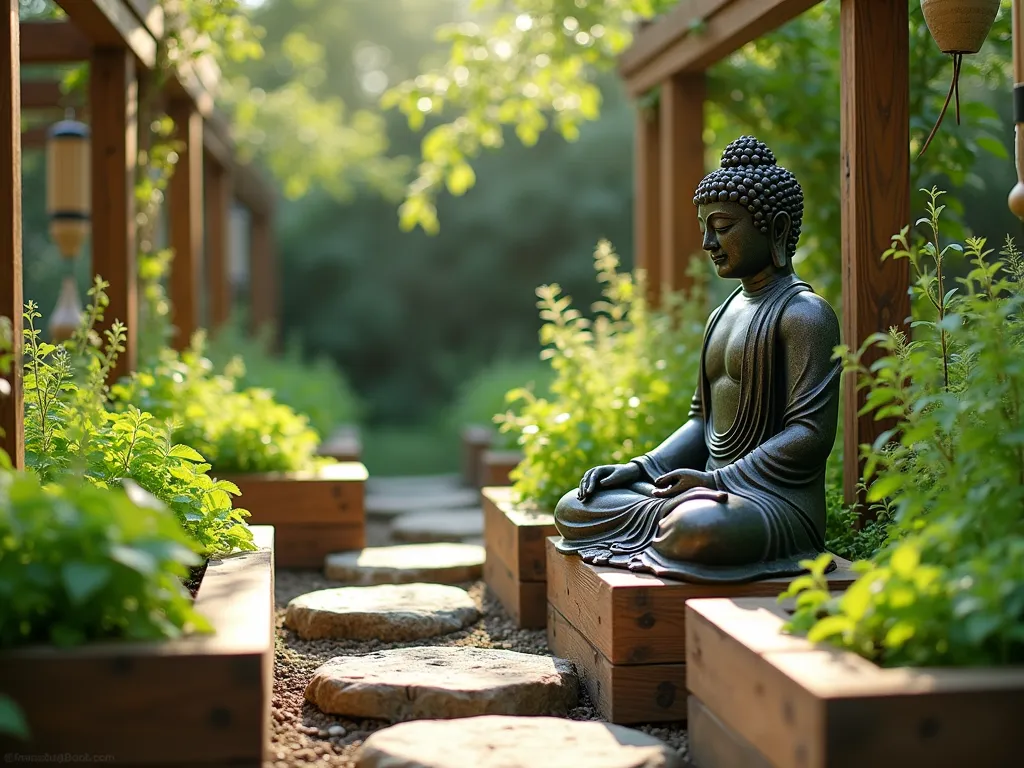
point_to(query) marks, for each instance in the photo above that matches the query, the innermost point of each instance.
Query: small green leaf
(12, 721)
(82, 579)
(185, 452)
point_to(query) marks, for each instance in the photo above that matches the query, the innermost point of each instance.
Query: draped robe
(768, 512)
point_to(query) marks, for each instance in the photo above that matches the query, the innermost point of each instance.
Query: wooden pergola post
(682, 168)
(217, 196)
(875, 139)
(647, 201)
(11, 403)
(113, 104)
(186, 221)
(263, 280)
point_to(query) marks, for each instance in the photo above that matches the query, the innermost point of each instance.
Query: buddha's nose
(710, 241)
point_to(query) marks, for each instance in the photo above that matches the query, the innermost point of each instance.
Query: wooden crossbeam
(12, 402)
(151, 14)
(217, 199)
(252, 190)
(699, 33)
(647, 202)
(47, 94)
(53, 42)
(112, 24)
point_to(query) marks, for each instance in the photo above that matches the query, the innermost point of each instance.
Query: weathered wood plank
(306, 545)
(185, 212)
(200, 700)
(646, 201)
(516, 534)
(495, 467)
(681, 169)
(875, 149)
(217, 200)
(644, 693)
(713, 744)
(525, 601)
(813, 706)
(53, 42)
(114, 104)
(723, 28)
(11, 403)
(662, 32)
(112, 24)
(635, 618)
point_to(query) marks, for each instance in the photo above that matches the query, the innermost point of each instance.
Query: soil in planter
(301, 733)
(195, 578)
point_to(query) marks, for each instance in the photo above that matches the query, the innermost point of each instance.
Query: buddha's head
(750, 210)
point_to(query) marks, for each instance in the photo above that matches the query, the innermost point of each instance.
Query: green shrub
(315, 388)
(484, 397)
(80, 563)
(622, 381)
(948, 587)
(235, 429)
(70, 432)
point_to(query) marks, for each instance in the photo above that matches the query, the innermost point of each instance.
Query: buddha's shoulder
(807, 311)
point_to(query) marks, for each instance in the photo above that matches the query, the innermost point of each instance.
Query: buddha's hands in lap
(608, 476)
(682, 480)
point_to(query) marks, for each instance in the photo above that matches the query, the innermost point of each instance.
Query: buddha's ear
(778, 237)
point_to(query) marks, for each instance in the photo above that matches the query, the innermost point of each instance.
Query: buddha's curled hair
(750, 177)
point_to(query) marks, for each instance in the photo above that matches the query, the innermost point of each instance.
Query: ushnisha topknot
(750, 176)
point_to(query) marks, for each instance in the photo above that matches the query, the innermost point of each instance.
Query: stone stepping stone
(438, 525)
(407, 563)
(496, 741)
(417, 499)
(391, 613)
(443, 682)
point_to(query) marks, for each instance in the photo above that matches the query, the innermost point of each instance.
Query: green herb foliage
(69, 431)
(482, 399)
(948, 588)
(622, 380)
(314, 388)
(235, 429)
(80, 563)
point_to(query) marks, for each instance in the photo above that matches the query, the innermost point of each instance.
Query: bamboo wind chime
(1016, 199)
(959, 27)
(68, 207)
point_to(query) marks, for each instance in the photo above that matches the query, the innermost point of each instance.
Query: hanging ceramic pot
(959, 27)
(67, 315)
(68, 185)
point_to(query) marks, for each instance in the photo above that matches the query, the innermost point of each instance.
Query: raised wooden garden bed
(787, 702)
(201, 700)
(314, 513)
(476, 438)
(495, 467)
(344, 444)
(515, 568)
(626, 632)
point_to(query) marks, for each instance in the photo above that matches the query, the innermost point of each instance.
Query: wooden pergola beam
(186, 222)
(47, 94)
(53, 42)
(678, 43)
(217, 200)
(112, 24)
(151, 14)
(263, 281)
(12, 402)
(114, 103)
(647, 200)
(252, 190)
(875, 150)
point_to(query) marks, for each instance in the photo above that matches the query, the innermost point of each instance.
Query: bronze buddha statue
(737, 493)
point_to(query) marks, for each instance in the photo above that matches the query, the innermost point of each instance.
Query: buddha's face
(735, 243)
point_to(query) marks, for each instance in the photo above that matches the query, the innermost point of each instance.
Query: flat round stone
(415, 499)
(391, 613)
(439, 525)
(443, 682)
(407, 563)
(496, 741)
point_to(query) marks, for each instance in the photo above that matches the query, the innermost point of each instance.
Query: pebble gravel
(302, 735)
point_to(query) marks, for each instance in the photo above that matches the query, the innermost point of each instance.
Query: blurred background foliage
(410, 317)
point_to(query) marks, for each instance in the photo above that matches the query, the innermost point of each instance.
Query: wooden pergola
(118, 38)
(674, 53)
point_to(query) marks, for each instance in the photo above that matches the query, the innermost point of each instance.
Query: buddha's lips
(719, 258)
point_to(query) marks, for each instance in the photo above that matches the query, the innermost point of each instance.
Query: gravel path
(302, 734)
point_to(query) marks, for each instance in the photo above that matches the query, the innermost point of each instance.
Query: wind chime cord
(954, 88)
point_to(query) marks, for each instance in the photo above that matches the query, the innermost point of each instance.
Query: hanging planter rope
(959, 27)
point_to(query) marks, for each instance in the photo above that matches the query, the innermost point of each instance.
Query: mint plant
(622, 380)
(948, 586)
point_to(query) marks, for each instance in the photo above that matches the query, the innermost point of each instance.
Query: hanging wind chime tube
(68, 208)
(959, 28)
(1016, 199)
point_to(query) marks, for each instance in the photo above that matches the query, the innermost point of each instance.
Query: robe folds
(768, 512)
